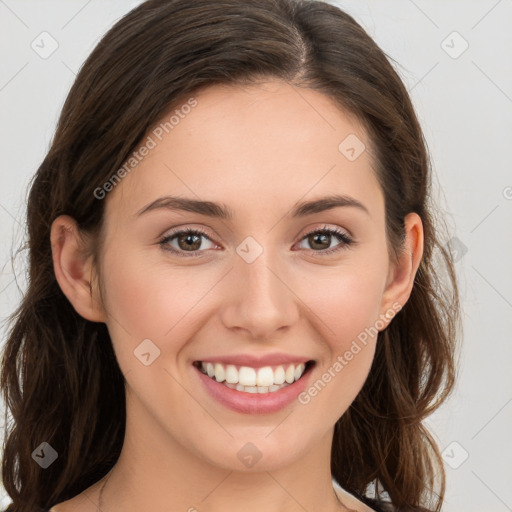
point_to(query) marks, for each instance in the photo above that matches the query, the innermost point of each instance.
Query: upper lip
(257, 361)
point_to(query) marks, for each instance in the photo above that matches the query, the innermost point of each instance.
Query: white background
(465, 107)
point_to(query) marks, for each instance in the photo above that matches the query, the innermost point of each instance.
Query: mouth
(251, 380)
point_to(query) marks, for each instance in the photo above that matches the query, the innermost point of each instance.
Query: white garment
(349, 500)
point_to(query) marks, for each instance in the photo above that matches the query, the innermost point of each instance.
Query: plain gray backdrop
(456, 59)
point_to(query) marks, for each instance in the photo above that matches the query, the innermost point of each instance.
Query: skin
(258, 150)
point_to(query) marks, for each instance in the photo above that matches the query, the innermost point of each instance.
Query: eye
(187, 240)
(321, 239)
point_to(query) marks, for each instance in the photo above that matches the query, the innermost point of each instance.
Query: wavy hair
(60, 378)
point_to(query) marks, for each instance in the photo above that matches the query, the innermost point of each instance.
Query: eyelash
(345, 239)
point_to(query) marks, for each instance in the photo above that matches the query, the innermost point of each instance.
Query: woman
(233, 299)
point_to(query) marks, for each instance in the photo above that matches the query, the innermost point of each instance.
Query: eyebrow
(222, 211)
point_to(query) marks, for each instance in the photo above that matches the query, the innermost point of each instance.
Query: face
(249, 294)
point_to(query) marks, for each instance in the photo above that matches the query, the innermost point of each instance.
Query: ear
(401, 273)
(74, 269)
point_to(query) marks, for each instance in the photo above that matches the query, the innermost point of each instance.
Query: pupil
(189, 243)
(323, 237)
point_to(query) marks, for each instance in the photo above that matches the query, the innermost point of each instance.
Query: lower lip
(254, 403)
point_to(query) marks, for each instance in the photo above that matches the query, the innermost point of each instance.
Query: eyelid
(164, 240)
(347, 240)
(211, 236)
(326, 227)
(187, 227)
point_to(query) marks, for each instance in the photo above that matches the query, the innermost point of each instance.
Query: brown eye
(189, 241)
(320, 240)
(186, 242)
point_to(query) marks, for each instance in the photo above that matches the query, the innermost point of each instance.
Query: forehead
(250, 146)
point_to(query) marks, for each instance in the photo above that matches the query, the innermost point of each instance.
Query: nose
(261, 300)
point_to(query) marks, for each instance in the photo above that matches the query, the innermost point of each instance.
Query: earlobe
(74, 269)
(402, 273)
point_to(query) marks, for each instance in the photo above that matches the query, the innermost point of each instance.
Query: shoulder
(77, 504)
(361, 503)
(379, 505)
(83, 502)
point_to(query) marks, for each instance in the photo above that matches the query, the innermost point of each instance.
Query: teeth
(259, 389)
(247, 376)
(220, 374)
(279, 375)
(289, 375)
(265, 376)
(298, 371)
(254, 380)
(231, 374)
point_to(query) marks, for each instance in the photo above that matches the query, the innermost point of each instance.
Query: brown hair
(60, 377)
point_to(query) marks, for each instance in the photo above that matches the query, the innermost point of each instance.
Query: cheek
(347, 302)
(149, 301)
(157, 303)
(347, 306)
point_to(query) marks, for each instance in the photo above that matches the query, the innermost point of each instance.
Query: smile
(266, 379)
